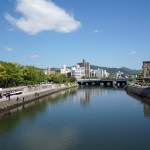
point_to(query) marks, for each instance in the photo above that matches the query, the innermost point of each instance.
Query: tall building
(146, 71)
(86, 65)
(48, 70)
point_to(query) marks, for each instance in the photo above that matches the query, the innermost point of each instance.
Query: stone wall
(143, 92)
(30, 94)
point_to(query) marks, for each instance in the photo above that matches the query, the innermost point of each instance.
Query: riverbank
(32, 93)
(140, 91)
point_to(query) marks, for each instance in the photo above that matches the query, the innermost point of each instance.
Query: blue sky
(108, 33)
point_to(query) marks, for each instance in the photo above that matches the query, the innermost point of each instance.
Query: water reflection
(86, 93)
(111, 120)
(31, 110)
(144, 101)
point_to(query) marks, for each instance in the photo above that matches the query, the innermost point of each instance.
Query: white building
(64, 69)
(100, 73)
(92, 73)
(118, 74)
(78, 72)
(105, 74)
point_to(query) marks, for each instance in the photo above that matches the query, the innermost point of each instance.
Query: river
(84, 118)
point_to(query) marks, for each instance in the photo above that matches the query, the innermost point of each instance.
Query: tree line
(14, 74)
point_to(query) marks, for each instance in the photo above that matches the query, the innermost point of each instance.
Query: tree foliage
(141, 74)
(60, 78)
(14, 74)
(57, 78)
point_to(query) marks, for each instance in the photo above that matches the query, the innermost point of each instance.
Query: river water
(84, 118)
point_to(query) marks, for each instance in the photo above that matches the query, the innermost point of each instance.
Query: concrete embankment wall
(29, 95)
(143, 92)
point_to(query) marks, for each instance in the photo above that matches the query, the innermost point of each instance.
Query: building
(119, 74)
(64, 69)
(100, 73)
(57, 71)
(146, 70)
(86, 65)
(93, 73)
(77, 72)
(47, 71)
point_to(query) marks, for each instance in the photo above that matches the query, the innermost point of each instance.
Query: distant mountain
(112, 70)
(131, 70)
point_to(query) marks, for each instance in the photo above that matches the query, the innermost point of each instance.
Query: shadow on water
(10, 119)
(144, 101)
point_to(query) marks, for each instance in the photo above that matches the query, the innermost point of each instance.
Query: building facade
(86, 65)
(64, 69)
(146, 70)
(77, 72)
(119, 74)
(99, 73)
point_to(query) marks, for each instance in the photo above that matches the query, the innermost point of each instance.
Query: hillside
(112, 70)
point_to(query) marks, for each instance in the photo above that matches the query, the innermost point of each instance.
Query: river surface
(84, 118)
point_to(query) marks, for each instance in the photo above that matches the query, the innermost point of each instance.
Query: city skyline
(53, 32)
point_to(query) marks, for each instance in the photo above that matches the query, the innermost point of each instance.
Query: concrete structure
(119, 82)
(146, 70)
(118, 74)
(57, 71)
(64, 69)
(140, 91)
(52, 72)
(93, 73)
(78, 72)
(100, 73)
(105, 74)
(31, 93)
(86, 65)
(47, 71)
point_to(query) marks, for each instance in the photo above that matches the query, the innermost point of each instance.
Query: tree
(83, 77)
(2, 74)
(32, 75)
(141, 74)
(72, 79)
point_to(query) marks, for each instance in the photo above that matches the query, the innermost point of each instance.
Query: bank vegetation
(14, 74)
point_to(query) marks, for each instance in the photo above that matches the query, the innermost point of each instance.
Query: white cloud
(133, 52)
(40, 15)
(34, 56)
(95, 31)
(8, 49)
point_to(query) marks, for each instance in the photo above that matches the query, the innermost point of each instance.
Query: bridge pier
(89, 83)
(105, 82)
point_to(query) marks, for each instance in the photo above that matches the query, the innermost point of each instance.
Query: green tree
(72, 79)
(32, 75)
(141, 74)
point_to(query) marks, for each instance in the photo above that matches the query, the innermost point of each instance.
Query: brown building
(86, 65)
(52, 72)
(146, 70)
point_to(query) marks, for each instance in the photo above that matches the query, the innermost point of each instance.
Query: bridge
(102, 81)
